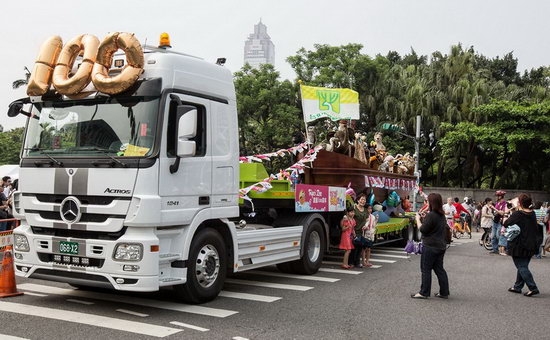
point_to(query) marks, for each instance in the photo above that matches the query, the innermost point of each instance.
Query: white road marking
(80, 301)
(35, 294)
(251, 297)
(141, 315)
(383, 261)
(339, 271)
(186, 325)
(11, 337)
(179, 307)
(404, 256)
(383, 251)
(268, 285)
(238, 338)
(293, 276)
(89, 319)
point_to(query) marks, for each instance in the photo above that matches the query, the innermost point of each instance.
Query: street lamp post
(417, 173)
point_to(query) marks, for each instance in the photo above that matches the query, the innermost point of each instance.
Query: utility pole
(417, 172)
(416, 139)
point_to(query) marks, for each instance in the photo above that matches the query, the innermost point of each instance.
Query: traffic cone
(7, 275)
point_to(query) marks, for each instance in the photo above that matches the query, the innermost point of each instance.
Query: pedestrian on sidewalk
(433, 229)
(525, 245)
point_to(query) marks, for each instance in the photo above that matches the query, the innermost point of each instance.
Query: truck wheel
(206, 268)
(314, 249)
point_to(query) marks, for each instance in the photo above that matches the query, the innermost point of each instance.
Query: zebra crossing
(141, 309)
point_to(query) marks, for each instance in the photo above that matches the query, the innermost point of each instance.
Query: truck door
(185, 183)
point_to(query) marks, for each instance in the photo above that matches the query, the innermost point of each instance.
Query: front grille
(88, 200)
(82, 234)
(85, 218)
(76, 261)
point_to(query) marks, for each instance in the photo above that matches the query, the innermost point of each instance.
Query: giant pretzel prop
(55, 62)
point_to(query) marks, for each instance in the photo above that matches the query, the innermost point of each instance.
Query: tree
(512, 144)
(268, 111)
(10, 146)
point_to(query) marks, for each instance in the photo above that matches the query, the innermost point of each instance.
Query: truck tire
(314, 250)
(206, 269)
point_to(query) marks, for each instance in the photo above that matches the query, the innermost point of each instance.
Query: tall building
(259, 49)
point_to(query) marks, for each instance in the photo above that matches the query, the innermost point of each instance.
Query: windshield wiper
(55, 161)
(105, 152)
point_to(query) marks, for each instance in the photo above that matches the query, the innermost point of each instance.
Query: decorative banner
(390, 183)
(319, 198)
(322, 102)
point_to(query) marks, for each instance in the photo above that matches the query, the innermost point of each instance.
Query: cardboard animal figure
(341, 141)
(378, 140)
(310, 135)
(376, 160)
(359, 152)
(401, 168)
(409, 162)
(388, 164)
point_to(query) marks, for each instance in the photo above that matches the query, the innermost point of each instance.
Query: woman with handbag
(433, 229)
(525, 245)
(359, 242)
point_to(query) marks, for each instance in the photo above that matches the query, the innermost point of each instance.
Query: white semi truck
(130, 176)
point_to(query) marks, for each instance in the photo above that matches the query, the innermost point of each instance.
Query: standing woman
(359, 242)
(433, 238)
(486, 218)
(525, 245)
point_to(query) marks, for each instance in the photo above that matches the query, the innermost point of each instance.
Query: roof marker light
(164, 41)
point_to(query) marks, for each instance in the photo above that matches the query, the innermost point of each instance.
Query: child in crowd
(347, 224)
(369, 231)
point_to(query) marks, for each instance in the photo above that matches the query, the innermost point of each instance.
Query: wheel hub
(207, 266)
(314, 246)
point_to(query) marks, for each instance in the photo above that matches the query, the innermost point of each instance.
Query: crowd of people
(529, 238)
(358, 231)
(7, 188)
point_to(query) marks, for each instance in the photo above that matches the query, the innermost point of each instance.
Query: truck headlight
(20, 242)
(128, 252)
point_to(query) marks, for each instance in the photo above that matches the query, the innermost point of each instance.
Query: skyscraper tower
(259, 49)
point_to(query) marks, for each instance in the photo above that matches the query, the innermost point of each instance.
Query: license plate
(68, 247)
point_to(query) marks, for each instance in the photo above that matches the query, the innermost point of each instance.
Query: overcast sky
(212, 29)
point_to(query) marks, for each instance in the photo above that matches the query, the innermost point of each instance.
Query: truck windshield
(91, 128)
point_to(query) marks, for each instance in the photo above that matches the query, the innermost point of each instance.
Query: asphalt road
(369, 303)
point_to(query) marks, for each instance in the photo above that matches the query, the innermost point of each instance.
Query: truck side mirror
(16, 107)
(187, 130)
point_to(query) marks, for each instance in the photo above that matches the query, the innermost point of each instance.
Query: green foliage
(269, 115)
(10, 146)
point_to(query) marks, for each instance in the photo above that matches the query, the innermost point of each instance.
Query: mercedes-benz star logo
(70, 210)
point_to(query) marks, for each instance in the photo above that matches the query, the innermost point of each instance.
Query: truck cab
(114, 188)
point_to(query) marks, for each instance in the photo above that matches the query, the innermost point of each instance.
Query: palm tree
(20, 82)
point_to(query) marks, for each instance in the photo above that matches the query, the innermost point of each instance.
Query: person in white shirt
(450, 211)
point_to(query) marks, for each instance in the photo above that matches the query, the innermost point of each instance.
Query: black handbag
(360, 241)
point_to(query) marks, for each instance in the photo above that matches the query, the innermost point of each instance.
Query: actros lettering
(117, 191)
